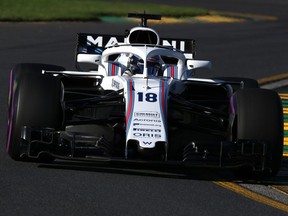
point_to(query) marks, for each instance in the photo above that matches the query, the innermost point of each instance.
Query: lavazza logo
(147, 115)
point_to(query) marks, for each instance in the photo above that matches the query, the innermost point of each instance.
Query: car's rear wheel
(259, 117)
(35, 99)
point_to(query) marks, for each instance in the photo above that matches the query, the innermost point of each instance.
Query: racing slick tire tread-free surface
(259, 117)
(35, 99)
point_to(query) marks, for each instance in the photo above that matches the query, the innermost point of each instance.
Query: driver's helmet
(154, 65)
(135, 65)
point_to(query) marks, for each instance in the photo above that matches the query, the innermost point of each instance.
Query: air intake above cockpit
(142, 35)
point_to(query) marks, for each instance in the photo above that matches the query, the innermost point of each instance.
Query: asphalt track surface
(252, 49)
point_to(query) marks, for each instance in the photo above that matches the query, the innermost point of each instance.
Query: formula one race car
(141, 103)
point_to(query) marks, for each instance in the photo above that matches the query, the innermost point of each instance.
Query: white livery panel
(146, 111)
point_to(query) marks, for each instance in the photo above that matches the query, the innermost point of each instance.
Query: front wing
(37, 142)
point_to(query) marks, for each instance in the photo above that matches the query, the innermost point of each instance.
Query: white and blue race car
(138, 101)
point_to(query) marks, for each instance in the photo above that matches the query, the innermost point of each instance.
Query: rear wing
(91, 46)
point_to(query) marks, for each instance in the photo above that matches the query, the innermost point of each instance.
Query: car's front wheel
(35, 99)
(260, 118)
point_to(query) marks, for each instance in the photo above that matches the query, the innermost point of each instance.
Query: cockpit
(142, 61)
(136, 65)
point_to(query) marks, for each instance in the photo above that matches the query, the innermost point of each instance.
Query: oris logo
(147, 135)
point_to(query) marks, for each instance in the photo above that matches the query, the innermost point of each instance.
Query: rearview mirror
(194, 64)
(87, 62)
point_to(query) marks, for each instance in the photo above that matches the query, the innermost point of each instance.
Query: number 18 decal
(149, 97)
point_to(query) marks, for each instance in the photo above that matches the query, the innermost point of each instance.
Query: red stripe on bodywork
(113, 69)
(172, 71)
(130, 98)
(163, 97)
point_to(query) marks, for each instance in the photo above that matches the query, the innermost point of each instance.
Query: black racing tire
(260, 117)
(248, 82)
(35, 99)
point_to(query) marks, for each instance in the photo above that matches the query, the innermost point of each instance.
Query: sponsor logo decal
(141, 124)
(147, 135)
(147, 114)
(100, 41)
(109, 40)
(147, 120)
(147, 130)
(115, 84)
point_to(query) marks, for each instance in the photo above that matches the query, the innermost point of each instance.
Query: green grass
(84, 10)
